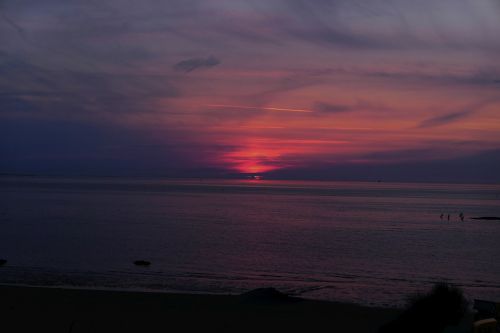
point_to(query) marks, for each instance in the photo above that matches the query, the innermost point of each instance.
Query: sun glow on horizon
(253, 160)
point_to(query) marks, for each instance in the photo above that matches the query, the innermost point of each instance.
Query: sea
(370, 243)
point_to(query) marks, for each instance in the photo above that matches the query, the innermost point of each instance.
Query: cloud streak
(192, 64)
(442, 120)
(329, 108)
(452, 117)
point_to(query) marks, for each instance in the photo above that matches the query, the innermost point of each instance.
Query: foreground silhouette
(432, 313)
(59, 310)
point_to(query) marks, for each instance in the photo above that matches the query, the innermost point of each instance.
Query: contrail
(258, 108)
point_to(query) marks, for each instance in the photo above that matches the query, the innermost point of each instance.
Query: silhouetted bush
(431, 313)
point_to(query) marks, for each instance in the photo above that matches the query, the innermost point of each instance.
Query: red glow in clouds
(253, 160)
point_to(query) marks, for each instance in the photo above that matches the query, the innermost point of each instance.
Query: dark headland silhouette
(487, 218)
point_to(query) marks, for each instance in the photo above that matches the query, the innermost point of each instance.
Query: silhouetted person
(441, 216)
(461, 216)
(448, 217)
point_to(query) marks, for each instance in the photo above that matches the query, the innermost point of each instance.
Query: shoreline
(396, 306)
(56, 309)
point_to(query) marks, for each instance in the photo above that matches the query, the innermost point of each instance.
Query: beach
(42, 309)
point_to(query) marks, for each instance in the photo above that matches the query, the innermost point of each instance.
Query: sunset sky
(340, 89)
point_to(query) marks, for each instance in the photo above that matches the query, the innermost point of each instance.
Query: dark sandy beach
(38, 309)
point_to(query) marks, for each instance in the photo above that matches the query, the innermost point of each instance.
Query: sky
(327, 89)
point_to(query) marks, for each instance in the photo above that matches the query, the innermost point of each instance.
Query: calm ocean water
(369, 243)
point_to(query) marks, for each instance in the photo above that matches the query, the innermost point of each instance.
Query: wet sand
(39, 309)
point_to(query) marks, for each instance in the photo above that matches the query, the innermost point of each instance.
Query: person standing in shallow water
(461, 215)
(448, 217)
